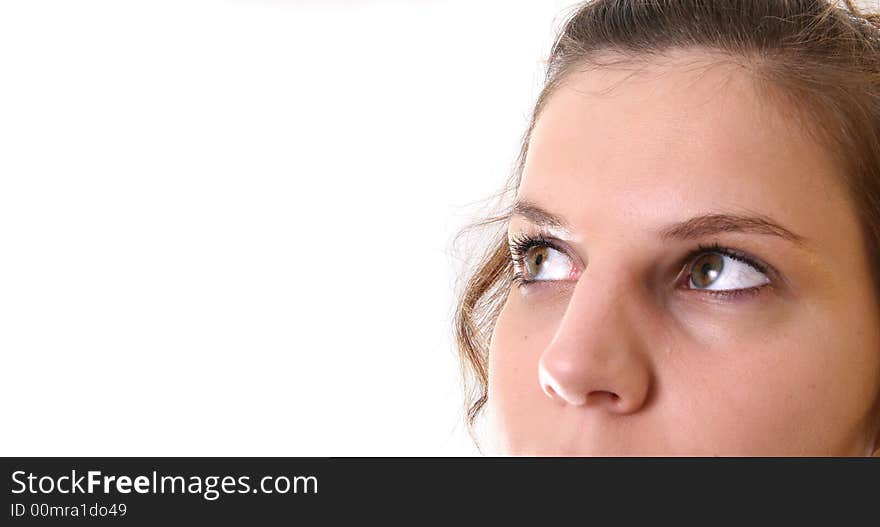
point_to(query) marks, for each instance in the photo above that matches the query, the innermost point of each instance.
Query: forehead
(687, 133)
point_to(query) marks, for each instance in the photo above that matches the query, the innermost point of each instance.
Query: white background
(225, 227)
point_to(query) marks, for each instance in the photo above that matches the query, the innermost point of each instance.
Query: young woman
(690, 260)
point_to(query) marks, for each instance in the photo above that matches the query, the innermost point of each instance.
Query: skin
(622, 356)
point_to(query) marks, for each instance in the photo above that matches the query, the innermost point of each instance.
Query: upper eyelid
(520, 243)
(758, 264)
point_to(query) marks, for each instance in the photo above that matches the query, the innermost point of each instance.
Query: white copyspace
(225, 227)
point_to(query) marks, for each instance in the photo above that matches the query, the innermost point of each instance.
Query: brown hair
(817, 57)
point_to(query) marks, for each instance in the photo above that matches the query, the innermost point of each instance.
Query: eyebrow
(538, 216)
(692, 228)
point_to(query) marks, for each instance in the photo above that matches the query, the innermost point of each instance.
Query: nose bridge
(597, 315)
(596, 355)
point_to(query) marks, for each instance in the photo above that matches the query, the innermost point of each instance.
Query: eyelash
(522, 243)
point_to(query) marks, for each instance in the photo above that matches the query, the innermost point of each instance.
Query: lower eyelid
(730, 295)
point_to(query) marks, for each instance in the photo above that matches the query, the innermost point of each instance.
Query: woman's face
(693, 278)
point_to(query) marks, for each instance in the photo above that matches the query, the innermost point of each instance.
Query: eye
(536, 259)
(717, 271)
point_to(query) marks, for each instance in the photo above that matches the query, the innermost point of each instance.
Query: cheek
(835, 363)
(802, 387)
(516, 402)
(515, 347)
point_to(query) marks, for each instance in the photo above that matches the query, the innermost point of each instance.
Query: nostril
(599, 395)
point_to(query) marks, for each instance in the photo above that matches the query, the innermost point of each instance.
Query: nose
(597, 356)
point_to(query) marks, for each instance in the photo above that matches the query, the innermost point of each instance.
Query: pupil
(539, 259)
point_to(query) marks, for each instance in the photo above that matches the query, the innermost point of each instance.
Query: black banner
(152, 491)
